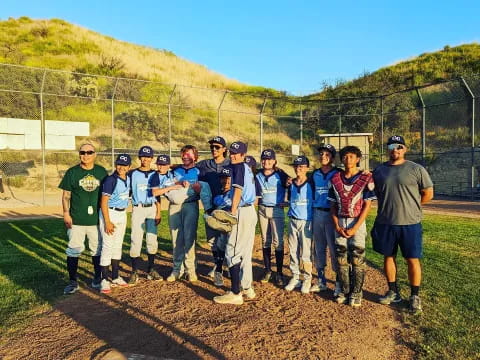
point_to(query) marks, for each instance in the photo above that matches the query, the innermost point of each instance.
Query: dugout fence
(121, 114)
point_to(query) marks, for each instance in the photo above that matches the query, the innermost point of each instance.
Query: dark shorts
(387, 239)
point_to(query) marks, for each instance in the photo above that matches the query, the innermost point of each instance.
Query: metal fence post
(42, 136)
(472, 170)
(301, 127)
(218, 111)
(113, 123)
(170, 121)
(261, 122)
(382, 104)
(423, 125)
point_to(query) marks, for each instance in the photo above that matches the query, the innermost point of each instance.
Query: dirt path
(155, 320)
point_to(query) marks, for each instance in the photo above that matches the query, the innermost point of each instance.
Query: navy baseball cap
(145, 151)
(268, 154)
(238, 147)
(123, 159)
(250, 160)
(396, 139)
(301, 160)
(163, 159)
(226, 172)
(328, 147)
(218, 140)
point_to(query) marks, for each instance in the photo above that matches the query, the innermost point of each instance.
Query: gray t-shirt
(398, 192)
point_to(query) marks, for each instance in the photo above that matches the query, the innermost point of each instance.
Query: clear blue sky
(286, 45)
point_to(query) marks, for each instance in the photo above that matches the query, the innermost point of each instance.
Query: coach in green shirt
(80, 199)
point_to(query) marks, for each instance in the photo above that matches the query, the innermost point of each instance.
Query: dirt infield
(155, 320)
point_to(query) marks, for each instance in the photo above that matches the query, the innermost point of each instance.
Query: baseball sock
(96, 266)
(414, 290)
(219, 262)
(235, 277)
(267, 252)
(115, 267)
(392, 286)
(105, 272)
(72, 266)
(279, 261)
(151, 260)
(134, 264)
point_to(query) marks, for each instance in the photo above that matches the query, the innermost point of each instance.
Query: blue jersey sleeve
(108, 185)
(258, 188)
(283, 178)
(238, 175)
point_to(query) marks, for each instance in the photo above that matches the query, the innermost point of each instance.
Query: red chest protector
(349, 196)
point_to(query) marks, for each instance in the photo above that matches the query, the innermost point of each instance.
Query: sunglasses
(215, 147)
(89, 152)
(395, 147)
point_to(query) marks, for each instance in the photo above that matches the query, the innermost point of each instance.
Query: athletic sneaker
(71, 287)
(415, 306)
(105, 286)
(229, 298)
(279, 280)
(267, 274)
(218, 278)
(249, 293)
(225, 216)
(294, 283)
(119, 282)
(219, 225)
(355, 300)
(338, 288)
(390, 297)
(154, 275)
(341, 298)
(96, 283)
(319, 286)
(133, 278)
(174, 276)
(306, 285)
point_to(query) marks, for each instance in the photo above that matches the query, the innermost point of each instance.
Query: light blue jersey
(301, 201)
(272, 187)
(321, 185)
(191, 175)
(118, 191)
(242, 177)
(141, 191)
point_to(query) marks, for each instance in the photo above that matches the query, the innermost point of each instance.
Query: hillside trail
(160, 320)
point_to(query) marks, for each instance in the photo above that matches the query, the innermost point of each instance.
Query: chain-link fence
(46, 114)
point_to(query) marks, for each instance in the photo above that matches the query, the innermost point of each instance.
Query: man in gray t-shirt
(401, 187)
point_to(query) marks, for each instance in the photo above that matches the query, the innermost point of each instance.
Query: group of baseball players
(326, 209)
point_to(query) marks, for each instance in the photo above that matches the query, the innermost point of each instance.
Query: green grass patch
(33, 274)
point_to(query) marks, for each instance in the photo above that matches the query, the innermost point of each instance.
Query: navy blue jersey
(141, 191)
(210, 173)
(272, 187)
(117, 189)
(321, 186)
(301, 201)
(242, 178)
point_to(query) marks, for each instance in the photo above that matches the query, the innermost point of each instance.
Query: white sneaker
(318, 287)
(338, 288)
(294, 283)
(229, 298)
(119, 282)
(218, 278)
(249, 293)
(105, 286)
(306, 285)
(174, 276)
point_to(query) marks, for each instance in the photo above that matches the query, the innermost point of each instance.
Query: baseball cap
(219, 140)
(238, 147)
(301, 160)
(145, 151)
(268, 154)
(123, 159)
(250, 160)
(328, 147)
(163, 159)
(396, 139)
(226, 172)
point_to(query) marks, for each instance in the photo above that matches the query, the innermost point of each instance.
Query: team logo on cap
(396, 138)
(146, 150)
(299, 159)
(162, 158)
(226, 171)
(267, 153)
(216, 138)
(89, 183)
(123, 158)
(235, 145)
